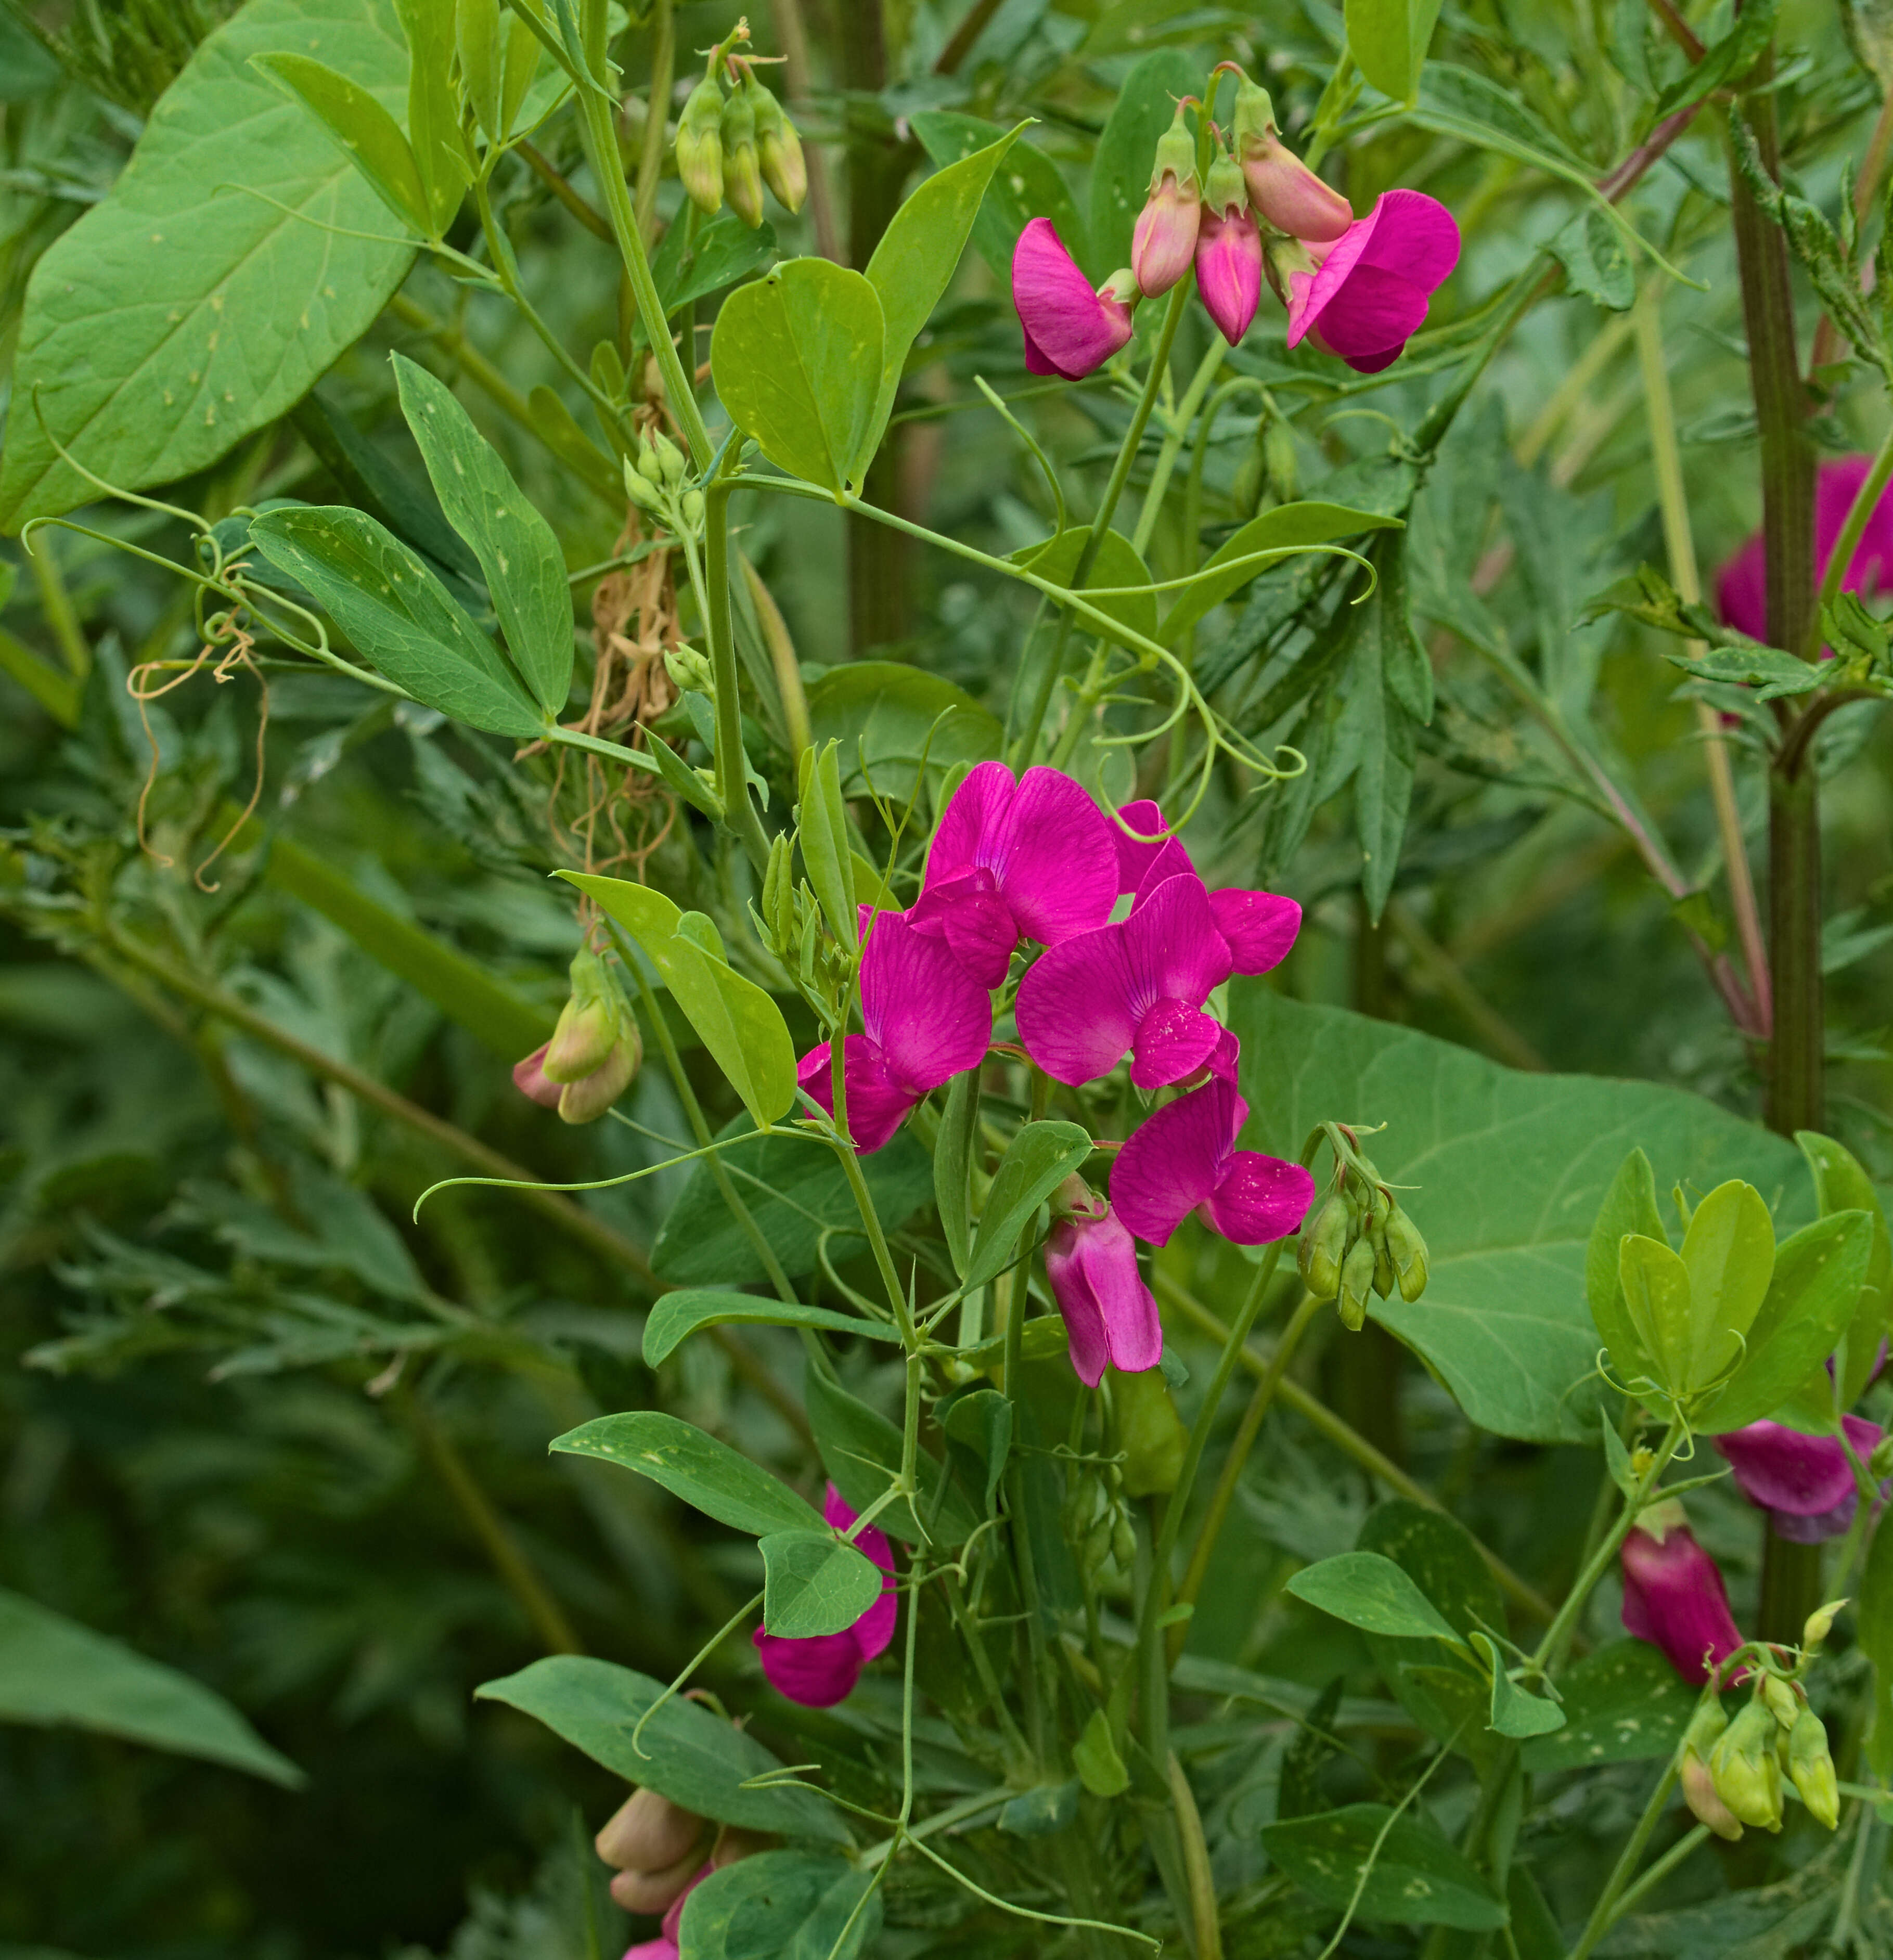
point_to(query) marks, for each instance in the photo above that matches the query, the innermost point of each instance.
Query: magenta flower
(1163, 241)
(1258, 927)
(1185, 1159)
(927, 1018)
(1229, 254)
(1674, 1596)
(1033, 858)
(1110, 1315)
(823, 1669)
(1741, 587)
(1368, 294)
(1069, 329)
(1138, 986)
(1805, 1482)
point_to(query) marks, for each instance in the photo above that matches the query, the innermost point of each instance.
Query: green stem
(1866, 500)
(1690, 1841)
(650, 156)
(56, 602)
(732, 785)
(1603, 1913)
(1201, 1879)
(1180, 421)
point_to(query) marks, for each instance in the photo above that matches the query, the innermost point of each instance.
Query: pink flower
(530, 1078)
(1805, 1482)
(1289, 195)
(821, 1670)
(1069, 328)
(1368, 294)
(1163, 241)
(1259, 926)
(665, 1946)
(1229, 254)
(927, 1018)
(1674, 1596)
(1032, 858)
(1185, 1159)
(1110, 1315)
(1742, 588)
(1138, 986)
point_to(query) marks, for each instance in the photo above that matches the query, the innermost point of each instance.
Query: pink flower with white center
(927, 1019)
(1805, 1482)
(1032, 858)
(1259, 926)
(1367, 294)
(1674, 1596)
(1742, 586)
(1185, 1159)
(1229, 254)
(1071, 329)
(823, 1669)
(1110, 1315)
(1138, 986)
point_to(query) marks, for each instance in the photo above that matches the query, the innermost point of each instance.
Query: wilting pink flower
(1229, 254)
(1258, 927)
(1138, 986)
(1185, 1159)
(1674, 1596)
(1070, 328)
(1742, 588)
(823, 1669)
(1110, 1315)
(1805, 1482)
(1033, 858)
(927, 1018)
(1368, 294)
(1163, 240)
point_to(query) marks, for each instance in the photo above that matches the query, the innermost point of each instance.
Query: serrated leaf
(695, 1466)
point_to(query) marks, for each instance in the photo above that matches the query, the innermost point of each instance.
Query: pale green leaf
(1516, 1712)
(1656, 1285)
(1368, 1590)
(1841, 1185)
(1116, 567)
(1028, 186)
(1729, 1250)
(366, 134)
(1039, 1158)
(1388, 39)
(434, 116)
(1629, 1205)
(1286, 528)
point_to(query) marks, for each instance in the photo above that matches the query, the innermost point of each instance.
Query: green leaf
(1595, 264)
(1515, 1711)
(397, 614)
(1039, 1158)
(1388, 39)
(1117, 564)
(740, 1026)
(1028, 186)
(1656, 1284)
(1414, 1878)
(861, 1451)
(178, 314)
(1841, 1185)
(888, 715)
(821, 832)
(723, 250)
(434, 116)
(814, 1584)
(698, 1760)
(558, 428)
(1095, 1757)
(1729, 1250)
(55, 1673)
(1629, 1205)
(1773, 675)
(678, 1315)
(1383, 703)
(979, 1430)
(1819, 1273)
(1727, 59)
(366, 134)
(1875, 1622)
(1371, 1591)
(1286, 528)
(1126, 154)
(954, 1143)
(1624, 1703)
(795, 1191)
(524, 568)
(782, 1905)
(796, 360)
(1510, 1169)
(915, 262)
(696, 1467)
(1442, 1558)
(482, 53)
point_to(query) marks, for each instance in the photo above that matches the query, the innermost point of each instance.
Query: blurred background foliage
(259, 1424)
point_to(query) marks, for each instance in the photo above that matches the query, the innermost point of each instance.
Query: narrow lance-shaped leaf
(822, 831)
(1629, 1206)
(367, 134)
(696, 1467)
(677, 1316)
(434, 119)
(1037, 1161)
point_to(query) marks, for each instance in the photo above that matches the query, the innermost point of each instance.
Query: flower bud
(1321, 1248)
(639, 489)
(585, 1101)
(1229, 254)
(1699, 1792)
(1744, 1770)
(779, 896)
(671, 463)
(1357, 1282)
(1379, 1206)
(689, 670)
(1408, 1251)
(700, 147)
(741, 166)
(1285, 193)
(1782, 1699)
(1278, 457)
(648, 1833)
(1152, 1432)
(587, 1027)
(1820, 1624)
(779, 149)
(1164, 240)
(692, 509)
(1812, 1769)
(651, 467)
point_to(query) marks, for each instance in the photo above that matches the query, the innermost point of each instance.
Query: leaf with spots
(696, 1468)
(182, 311)
(1413, 1876)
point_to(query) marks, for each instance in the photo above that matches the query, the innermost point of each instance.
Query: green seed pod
(1322, 1246)
(1812, 1769)
(1357, 1282)
(1744, 1767)
(741, 166)
(700, 147)
(1379, 1205)
(778, 148)
(1408, 1251)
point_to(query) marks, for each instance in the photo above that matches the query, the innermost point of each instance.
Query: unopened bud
(1379, 1207)
(1278, 453)
(647, 1833)
(670, 460)
(689, 670)
(692, 509)
(778, 149)
(1820, 1624)
(700, 146)
(1811, 1767)
(742, 167)
(586, 1101)
(1782, 1699)
(1408, 1251)
(1323, 1246)
(1699, 1792)
(1357, 1282)
(1124, 1543)
(1285, 193)
(1163, 243)
(588, 1024)
(639, 488)
(779, 896)
(1746, 1771)
(1075, 1198)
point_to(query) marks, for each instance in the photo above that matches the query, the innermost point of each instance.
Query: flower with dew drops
(1228, 253)
(823, 1668)
(1185, 1159)
(1110, 1315)
(1805, 1482)
(1366, 295)
(1673, 1594)
(1742, 586)
(1070, 327)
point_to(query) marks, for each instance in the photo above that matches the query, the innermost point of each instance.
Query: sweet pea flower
(1742, 586)
(1229, 254)
(1138, 986)
(1163, 241)
(1258, 927)
(652, 1847)
(1070, 328)
(1110, 1315)
(1674, 1596)
(1805, 1482)
(1365, 296)
(731, 1845)
(927, 1019)
(823, 1669)
(1032, 858)
(1286, 193)
(1185, 1159)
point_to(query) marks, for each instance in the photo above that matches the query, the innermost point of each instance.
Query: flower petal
(1142, 865)
(1071, 327)
(1228, 271)
(1415, 236)
(1056, 857)
(1173, 945)
(1778, 1469)
(930, 1019)
(1110, 1315)
(1674, 1597)
(1258, 927)
(818, 1671)
(966, 910)
(1172, 1162)
(530, 1078)
(875, 1628)
(1259, 1199)
(1077, 1006)
(1172, 1042)
(877, 1104)
(1373, 310)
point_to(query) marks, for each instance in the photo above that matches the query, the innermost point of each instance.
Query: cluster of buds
(595, 1050)
(789, 921)
(729, 146)
(659, 1853)
(1094, 1519)
(655, 483)
(1360, 1241)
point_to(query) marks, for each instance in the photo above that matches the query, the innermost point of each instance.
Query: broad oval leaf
(180, 312)
(678, 1315)
(1655, 1285)
(1623, 1703)
(1729, 1251)
(699, 1760)
(1388, 39)
(1841, 1185)
(1039, 1158)
(1399, 1868)
(797, 359)
(366, 134)
(398, 615)
(782, 1905)
(740, 1026)
(1121, 168)
(1370, 1591)
(524, 568)
(1117, 566)
(814, 1583)
(888, 716)
(1286, 528)
(696, 1467)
